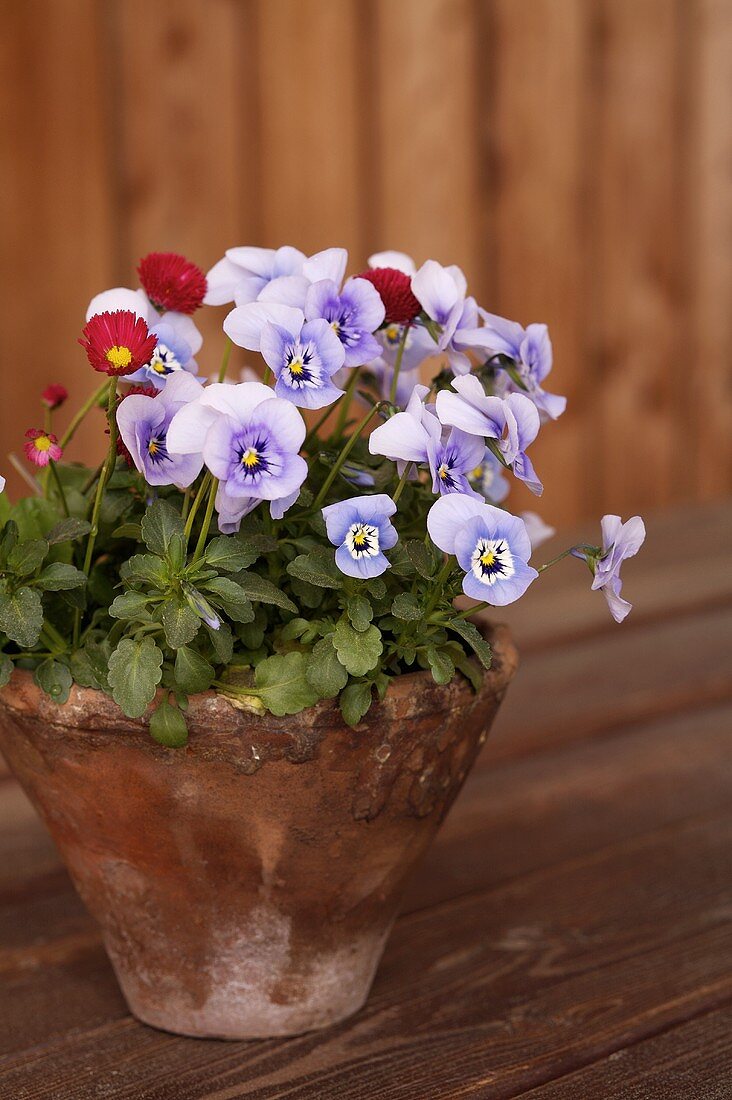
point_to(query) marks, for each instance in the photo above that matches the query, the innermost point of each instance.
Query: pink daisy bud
(54, 395)
(42, 447)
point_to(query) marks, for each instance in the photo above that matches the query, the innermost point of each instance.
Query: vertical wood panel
(710, 164)
(537, 121)
(426, 165)
(58, 241)
(310, 116)
(637, 321)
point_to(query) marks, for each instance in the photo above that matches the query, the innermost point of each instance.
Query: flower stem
(346, 402)
(225, 361)
(402, 482)
(344, 455)
(439, 583)
(59, 487)
(89, 404)
(473, 610)
(200, 545)
(197, 502)
(312, 434)
(564, 554)
(398, 365)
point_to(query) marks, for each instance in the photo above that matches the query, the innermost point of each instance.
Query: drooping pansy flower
(531, 350)
(117, 343)
(619, 541)
(143, 423)
(361, 529)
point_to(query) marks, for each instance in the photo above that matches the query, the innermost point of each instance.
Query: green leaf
(58, 576)
(420, 558)
(317, 567)
(228, 595)
(358, 650)
(55, 679)
(222, 642)
(168, 725)
(159, 524)
(9, 537)
(355, 701)
(406, 607)
(294, 629)
(376, 587)
(131, 605)
(86, 671)
(441, 665)
(401, 563)
(6, 669)
(21, 616)
(470, 634)
(230, 553)
(145, 569)
(180, 623)
(360, 612)
(128, 531)
(469, 669)
(68, 530)
(282, 684)
(26, 557)
(309, 595)
(34, 517)
(324, 671)
(135, 670)
(193, 673)
(263, 591)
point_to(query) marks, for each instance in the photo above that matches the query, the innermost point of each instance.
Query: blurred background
(573, 156)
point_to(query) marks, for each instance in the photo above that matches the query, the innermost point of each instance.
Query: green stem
(317, 426)
(267, 377)
(225, 361)
(198, 500)
(402, 482)
(473, 610)
(398, 364)
(346, 402)
(186, 503)
(439, 583)
(89, 404)
(564, 554)
(206, 521)
(344, 455)
(59, 487)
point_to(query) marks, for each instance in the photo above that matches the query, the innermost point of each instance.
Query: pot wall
(245, 885)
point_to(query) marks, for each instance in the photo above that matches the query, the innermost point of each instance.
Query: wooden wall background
(574, 156)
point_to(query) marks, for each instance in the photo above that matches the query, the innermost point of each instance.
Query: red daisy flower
(395, 290)
(172, 282)
(42, 447)
(118, 343)
(54, 395)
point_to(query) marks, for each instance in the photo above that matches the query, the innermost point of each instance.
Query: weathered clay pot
(245, 885)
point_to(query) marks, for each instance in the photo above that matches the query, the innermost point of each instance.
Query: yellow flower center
(119, 356)
(43, 443)
(443, 471)
(152, 447)
(250, 458)
(487, 558)
(296, 367)
(335, 325)
(359, 539)
(477, 472)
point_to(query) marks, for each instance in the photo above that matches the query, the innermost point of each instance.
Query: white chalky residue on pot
(383, 753)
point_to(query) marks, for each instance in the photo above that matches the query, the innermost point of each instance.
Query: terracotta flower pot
(245, 885)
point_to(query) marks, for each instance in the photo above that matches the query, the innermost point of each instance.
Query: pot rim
(89, 709)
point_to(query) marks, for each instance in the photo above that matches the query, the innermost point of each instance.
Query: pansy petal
(287, 290)
(221, 283)
(244, 324)
(401, 437)
(185, 328)
(119, 297)
(448, 514)
(435, 288)
(400, 261)
(284, 421)
(328, 264)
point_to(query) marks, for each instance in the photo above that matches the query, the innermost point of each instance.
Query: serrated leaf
(193, 673)
(68, 530)
(317, 567)
(86, 671)
(324, 671)
(294, 629)
(407, 607)
(168, 725)
(469, 669)
(420, 558)
(128, 531)
(145, 569)
(358, 650)
(376, 587)
(441, 666)
(360, 612)
(160, 524)
(355, 701)
(135, 670)
(131, 605)
(6, 669)
(263, 591)
(230, 553)
(180, 623)
(58, 577)
(470, 634)
(21, 616)
(27, 556)
(283, 685)
(222, 641)
(401, 563)
(228, 595)
(309, 595)
(55, 679)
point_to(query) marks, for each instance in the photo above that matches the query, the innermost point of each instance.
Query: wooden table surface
(569, 935)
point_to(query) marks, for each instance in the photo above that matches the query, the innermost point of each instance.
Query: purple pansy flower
(492, 546)
(442, 294)
(303, 357)
(512, 421)
(488, 477)
(361, 530)
(250, 441)
(244, 272)
(354, 313)
(619, 541)
(143, 425)
(531, 350)
(452, 459)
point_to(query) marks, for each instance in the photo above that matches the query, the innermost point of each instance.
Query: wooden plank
(535, 108)
(709, 175)
(311, 101)
(689, 1062)
(56, 215)
(636, 316)
(425, 163)
(497, 992)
